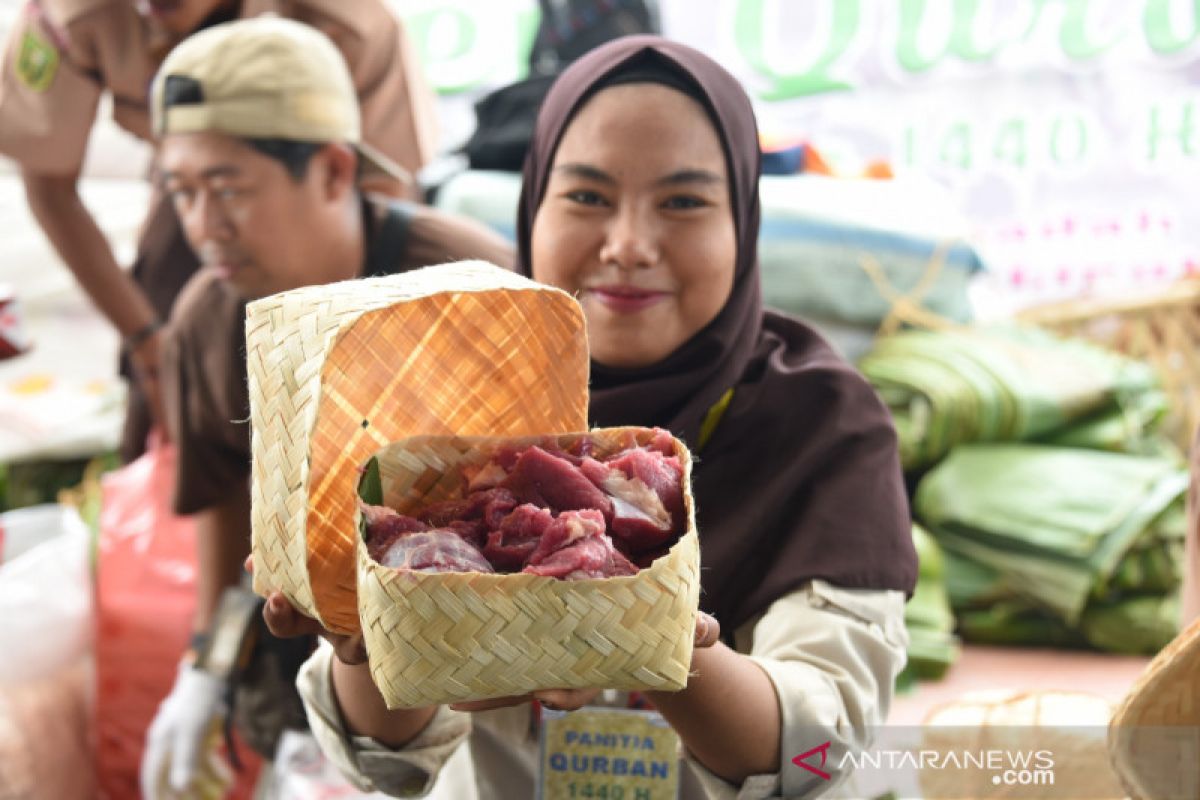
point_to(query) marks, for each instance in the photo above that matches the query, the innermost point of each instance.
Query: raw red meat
(575, 548)
(514, 540)
(490, 505)
(438, 550)
(663, 474)
(547, 511)
(555, 483)
(384, 526)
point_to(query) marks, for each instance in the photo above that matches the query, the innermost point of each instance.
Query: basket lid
(340, 370)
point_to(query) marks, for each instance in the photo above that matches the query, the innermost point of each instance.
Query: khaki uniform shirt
(832, 654)
(62, 55)
(205, 396)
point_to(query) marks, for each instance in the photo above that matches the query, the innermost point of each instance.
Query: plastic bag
(45, 592)
(45, 641)
(145, 599)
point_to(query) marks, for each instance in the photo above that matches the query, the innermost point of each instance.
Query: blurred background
(988, 206)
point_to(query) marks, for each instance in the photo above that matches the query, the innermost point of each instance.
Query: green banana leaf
(996, 384)
(1135, 625)
(932, 646)
(1123, 427)
(1017, 622)
(1052, 523)
(931, 653)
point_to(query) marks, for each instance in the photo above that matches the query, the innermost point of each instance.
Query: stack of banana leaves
(1010, 383)
(1059, 546)
(932, 645)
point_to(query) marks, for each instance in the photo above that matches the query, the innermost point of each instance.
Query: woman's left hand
(708, 632)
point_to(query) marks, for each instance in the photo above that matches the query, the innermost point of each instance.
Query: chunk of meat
(474, 531)
(566, 529)
(638, 518)
(546, 480)
(437, 550)
(490, 505)
(575, 547)
(663, 474)
(511, 543)
(384, 526)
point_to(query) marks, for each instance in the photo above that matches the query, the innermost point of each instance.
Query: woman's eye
(585, 197)
(684, 202)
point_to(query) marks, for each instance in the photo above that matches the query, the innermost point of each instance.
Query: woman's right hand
(286, 622)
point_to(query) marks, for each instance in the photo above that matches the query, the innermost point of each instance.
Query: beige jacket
(833, 655)
(62, 55)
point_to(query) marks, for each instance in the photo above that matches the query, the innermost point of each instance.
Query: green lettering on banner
(430, 30)
(1012, 143)
(957, 144)
(961, 41)
(750, 28)
(1160, 33)
(1180, 129)
(1075, 35)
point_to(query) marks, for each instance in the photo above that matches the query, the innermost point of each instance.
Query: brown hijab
(801, 478)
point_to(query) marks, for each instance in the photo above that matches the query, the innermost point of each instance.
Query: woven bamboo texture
(338, 371)
(1070, 726)
(1162, 329)
(445, 637)
(1154, 738)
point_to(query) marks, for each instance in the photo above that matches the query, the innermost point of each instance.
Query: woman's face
(636, 222)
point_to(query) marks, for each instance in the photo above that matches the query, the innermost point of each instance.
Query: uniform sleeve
(833, 656)
(197, 373)
(410, 772)
(399, 116)
(47, 101)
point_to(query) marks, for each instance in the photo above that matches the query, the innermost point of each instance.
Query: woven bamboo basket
(1162, 329)
(1154, 738)
(338, 371)
(445, 637)
(1067, 727)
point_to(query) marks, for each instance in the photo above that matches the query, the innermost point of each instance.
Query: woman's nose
(632, 239)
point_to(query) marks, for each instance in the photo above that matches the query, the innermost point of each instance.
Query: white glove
(179, 732)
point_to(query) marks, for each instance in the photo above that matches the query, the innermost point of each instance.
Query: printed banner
(1067, 130)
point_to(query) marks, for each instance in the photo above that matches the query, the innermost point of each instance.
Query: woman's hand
(707, 633)
(284, 621)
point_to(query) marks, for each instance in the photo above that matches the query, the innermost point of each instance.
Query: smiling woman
(637, 222)
(640, 197)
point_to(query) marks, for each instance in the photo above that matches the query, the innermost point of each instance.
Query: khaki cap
(262, 78)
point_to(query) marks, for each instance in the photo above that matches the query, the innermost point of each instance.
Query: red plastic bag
(145, 599)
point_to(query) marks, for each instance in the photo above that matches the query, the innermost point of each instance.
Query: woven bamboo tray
(1162, 329)
(1154, 738)
(445, 637)
(340, 370)
(1067, 726)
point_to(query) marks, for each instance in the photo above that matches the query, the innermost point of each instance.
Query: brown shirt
(62, 55)
(204, 356)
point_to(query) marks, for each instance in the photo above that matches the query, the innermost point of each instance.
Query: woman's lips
(627, 299)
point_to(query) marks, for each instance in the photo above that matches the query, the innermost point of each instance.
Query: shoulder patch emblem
(37, 62)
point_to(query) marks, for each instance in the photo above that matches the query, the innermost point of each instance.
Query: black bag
(568, 29)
